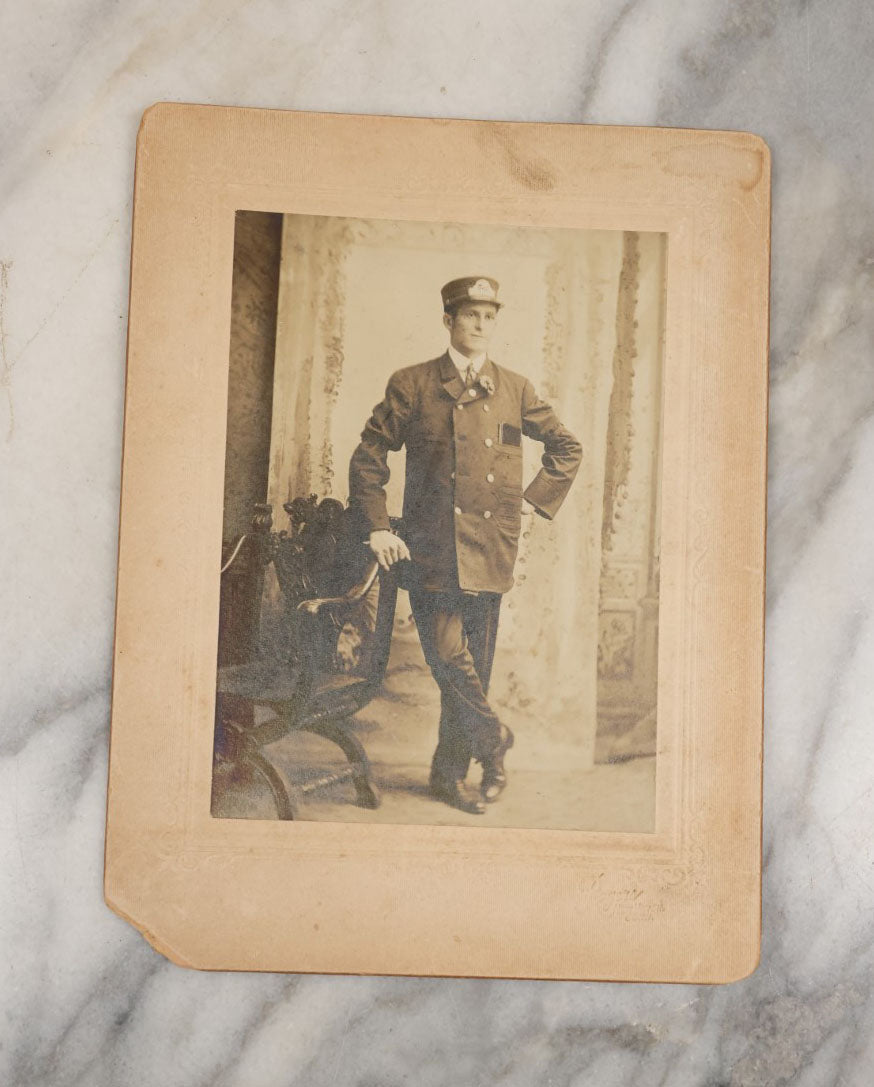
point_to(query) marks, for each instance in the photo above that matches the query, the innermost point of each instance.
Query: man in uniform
(461, 418)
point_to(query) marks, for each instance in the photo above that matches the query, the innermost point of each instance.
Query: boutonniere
(486, 383)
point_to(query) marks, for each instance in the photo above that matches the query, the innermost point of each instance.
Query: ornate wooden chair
(308, 662)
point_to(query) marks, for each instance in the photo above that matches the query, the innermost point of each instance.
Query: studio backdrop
(326, 309)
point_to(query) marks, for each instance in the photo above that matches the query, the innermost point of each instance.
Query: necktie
(470, 376)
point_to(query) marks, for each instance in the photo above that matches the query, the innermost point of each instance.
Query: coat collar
(453, 384)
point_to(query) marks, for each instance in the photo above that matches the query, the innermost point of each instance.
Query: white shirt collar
(462, 361)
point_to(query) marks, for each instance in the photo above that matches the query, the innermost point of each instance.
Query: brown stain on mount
(740, 161)
(533, 173)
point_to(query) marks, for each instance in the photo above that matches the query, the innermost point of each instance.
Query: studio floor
(399, 731)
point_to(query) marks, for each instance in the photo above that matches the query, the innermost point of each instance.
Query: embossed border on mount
(681, 904)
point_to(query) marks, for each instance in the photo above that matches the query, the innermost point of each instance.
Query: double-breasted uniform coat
(462, 518)
(463, 490)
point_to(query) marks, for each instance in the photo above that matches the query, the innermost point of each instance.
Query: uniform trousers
(458, 632)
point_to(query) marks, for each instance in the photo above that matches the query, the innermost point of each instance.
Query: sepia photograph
(439, 588)
(439, 634)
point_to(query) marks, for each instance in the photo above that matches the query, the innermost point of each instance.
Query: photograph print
(440, 553)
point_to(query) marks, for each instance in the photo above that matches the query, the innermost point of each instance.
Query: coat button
(471, 392)
(485, 407)
(489, 443)
(490, 478)
(487, 514)
(452, 475)
(458, 509)
(461, 407)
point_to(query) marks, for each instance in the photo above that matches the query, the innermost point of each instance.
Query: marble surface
(84, 999)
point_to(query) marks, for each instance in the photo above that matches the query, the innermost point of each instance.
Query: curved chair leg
(352, 748)
(285, 806)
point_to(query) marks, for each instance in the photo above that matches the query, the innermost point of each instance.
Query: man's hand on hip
(387, 548)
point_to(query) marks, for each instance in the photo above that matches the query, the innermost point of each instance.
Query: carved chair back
(335, 608)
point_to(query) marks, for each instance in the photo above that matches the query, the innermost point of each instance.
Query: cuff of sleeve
(369, 516)
(539, 495)
(532, 508)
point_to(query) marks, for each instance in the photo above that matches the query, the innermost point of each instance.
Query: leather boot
(455, 795)
(494, 777)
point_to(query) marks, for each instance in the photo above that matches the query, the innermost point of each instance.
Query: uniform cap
(470, 289)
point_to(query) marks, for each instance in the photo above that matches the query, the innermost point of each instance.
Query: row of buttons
(488, 444)
(489, 478)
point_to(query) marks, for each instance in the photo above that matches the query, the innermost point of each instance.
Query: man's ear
(447, 321)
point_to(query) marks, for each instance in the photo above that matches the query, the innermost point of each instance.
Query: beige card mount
(269, 801)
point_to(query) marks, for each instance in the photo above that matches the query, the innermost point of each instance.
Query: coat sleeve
(562, 454)
(384, 432)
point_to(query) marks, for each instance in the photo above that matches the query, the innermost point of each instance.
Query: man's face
(472, 327)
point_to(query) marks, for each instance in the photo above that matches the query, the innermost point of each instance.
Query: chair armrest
(234, 554)
(356, 593)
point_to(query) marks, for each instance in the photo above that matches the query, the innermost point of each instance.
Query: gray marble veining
(84, 1000)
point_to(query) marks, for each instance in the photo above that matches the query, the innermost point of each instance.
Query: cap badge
(481, 291)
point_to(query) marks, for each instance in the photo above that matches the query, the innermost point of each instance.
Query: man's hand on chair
(387, 547)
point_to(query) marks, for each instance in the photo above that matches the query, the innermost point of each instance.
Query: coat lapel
(453, 383)
(489, 369)
(450, 377)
